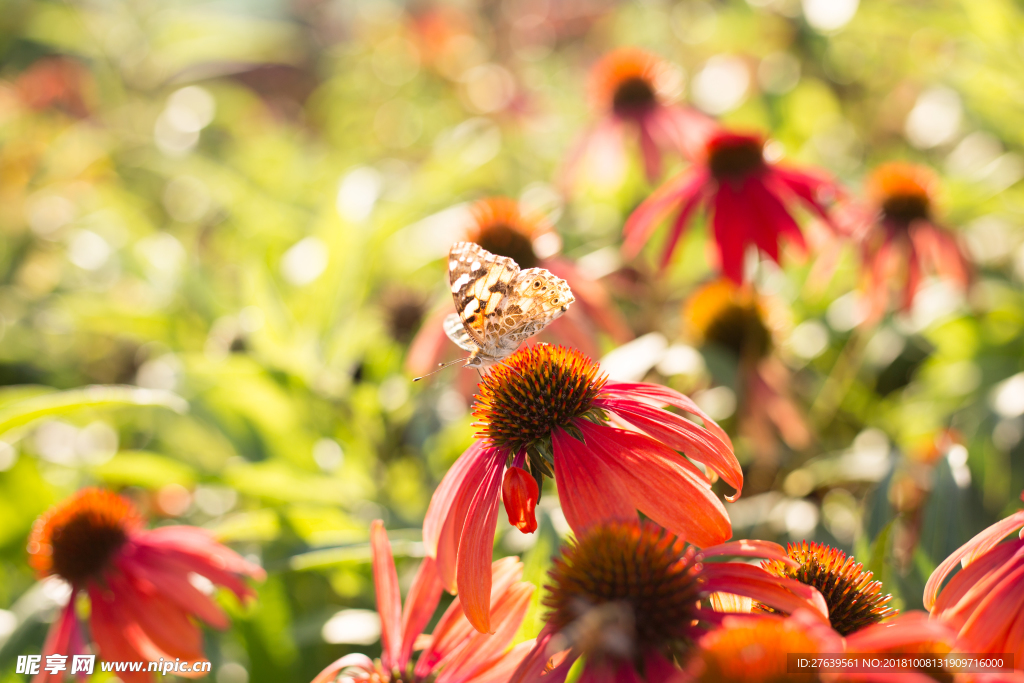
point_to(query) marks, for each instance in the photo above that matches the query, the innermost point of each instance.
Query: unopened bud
(519, 493)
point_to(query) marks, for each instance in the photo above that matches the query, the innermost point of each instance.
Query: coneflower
(142, 602)
(854, 599)
(630, 89)
(547, 411)
(626, 597)
(749, 201)
(901, 242)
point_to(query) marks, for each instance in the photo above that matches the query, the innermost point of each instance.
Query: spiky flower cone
(854, 600)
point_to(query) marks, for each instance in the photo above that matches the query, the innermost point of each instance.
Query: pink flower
(611, 447)
(984, 602)
(627, 597)
(631, 88)
(142, 602)
(455, 652)
(900, 240)
(749, 201)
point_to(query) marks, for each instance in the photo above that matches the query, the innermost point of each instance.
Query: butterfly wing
(480, 282)
(536, 299)
(456, 331)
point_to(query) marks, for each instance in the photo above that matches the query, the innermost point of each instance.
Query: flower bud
(519, 493)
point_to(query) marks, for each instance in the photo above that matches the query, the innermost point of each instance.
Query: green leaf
(142, 468)
(21, 413)
(876, 563)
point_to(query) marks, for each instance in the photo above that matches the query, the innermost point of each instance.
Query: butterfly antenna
(442, 366)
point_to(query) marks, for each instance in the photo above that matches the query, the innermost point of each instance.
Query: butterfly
(497, 305)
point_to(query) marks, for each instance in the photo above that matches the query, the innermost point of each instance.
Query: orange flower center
(902, 191)
(854, 600)
(625, 81)
(536, 390)
(77, 538)
(500, 228)
(729, 317)
(632, 581)
(732, 157)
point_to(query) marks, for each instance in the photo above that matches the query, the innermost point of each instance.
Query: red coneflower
(499, 225)
(631, 87)
(626, 596)
(611, 447)
(749, 200)
(900, 240)
(984, 602)
(142, 603)
(736, 319)
(753, 649)
(854, 600)
(455, 652)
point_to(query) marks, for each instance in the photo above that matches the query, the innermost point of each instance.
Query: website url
(161, 666)
(84, 664)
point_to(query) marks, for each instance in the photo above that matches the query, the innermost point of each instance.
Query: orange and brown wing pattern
(480, 282)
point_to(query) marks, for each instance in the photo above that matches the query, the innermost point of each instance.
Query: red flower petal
(588, 490)
(661, 483)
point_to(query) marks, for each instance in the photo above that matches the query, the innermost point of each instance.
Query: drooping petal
(808, 187)
(449, 507)
(682, 220)
(774, 216)
(588, 490)
(500, 669)
(661, 483)
(751, 548)
(116, 638)
(968, 552)
(453, 630)
(476, 546)
(660, 396)
(177, 587)
(420, 604)
(729, 222)
(164, 622)
(786, 595)
(389, 598)
(59, 640)
(642, 222)
(680, 434)
(506, 616)
(649, 149)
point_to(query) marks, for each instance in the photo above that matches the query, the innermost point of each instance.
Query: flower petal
(909, 628)
(420, 604)
(642, 222)
(978, 545)
(661, 483)
(751, 548)
(786, 595)
(476, 546)
(588, 490)
(449, 506)
(353, 661)
(729, 222)
(660, 396)
(680, 434)
(389, 599)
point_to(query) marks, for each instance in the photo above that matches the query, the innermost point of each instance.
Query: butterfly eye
(536, 284)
